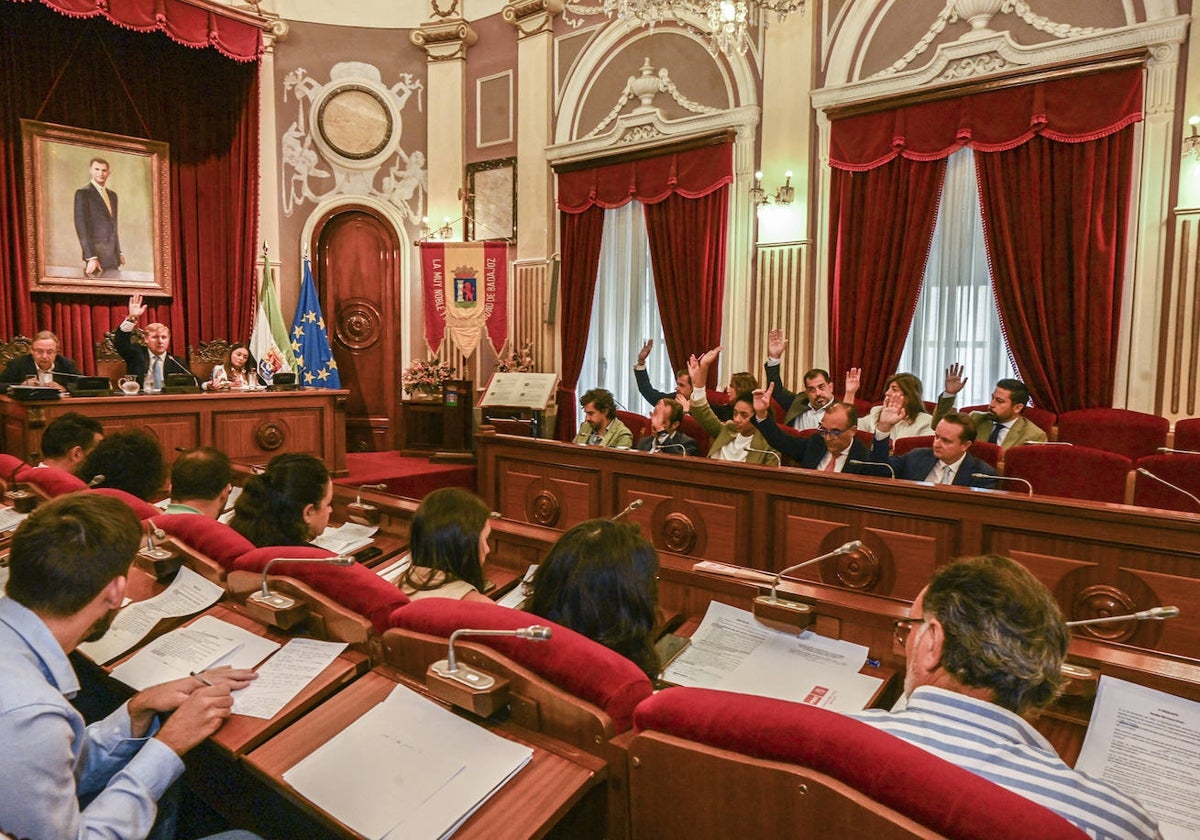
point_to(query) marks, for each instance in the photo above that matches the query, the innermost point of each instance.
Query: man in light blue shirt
(985, 647)
(68, 567)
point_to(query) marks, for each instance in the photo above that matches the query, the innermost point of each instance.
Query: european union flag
(310, 339)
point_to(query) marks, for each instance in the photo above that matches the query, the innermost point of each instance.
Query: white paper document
(519, 594)
(1147, 744)
(731, 651)
(391, 573)
(407, 769)
(285, 675)
(207, 642)
(189, 593)
(346, 538)
(10, 519)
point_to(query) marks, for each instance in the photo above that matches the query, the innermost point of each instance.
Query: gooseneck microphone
(449, 668)
(883, 464)
(771, 452)
(629, 508)
(852, 546)
(998, 477)
(282, 602)
(1173, 486)
(1152, 614)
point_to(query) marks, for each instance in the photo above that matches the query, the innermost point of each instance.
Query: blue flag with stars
(310, 340)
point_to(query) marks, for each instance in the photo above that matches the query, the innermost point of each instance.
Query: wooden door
(357, 269)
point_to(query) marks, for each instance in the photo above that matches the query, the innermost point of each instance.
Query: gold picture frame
(128, 229)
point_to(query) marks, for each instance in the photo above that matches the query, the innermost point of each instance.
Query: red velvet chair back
(51, 481)
(1129, 433)
(141, 507)
(639, 424)
(895, 789)
(355, 587)
(1181, 470)
(900, 446)
(1073, 472)
(10, 465)
(989, 453)
(569, 660)
(692, 429)
(211, 538)
(1187, 434)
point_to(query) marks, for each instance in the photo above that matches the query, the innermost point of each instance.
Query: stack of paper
(188, 594)
(407, 769)
(731, 651)
(205, 643)
(346, 538)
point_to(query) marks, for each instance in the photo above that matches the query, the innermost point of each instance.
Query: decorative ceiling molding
(997, 56)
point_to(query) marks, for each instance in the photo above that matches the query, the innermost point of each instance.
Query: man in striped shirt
(984, 648)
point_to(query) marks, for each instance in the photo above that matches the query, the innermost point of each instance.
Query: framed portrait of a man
(97, 211)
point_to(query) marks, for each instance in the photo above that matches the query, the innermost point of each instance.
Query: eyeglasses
(901, 627)
(823, 432)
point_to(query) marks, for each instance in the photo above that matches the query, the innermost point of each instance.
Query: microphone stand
(1152, 614)
(469, 688)
(281, 610)
(883, 464)
(772, 452)
(1175, 487)
(794, 616)
(629, 508)
(998, 477)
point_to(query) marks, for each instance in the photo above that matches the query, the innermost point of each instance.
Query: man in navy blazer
(946, 462)
(41, 362)
(831, 449)
(96, 223)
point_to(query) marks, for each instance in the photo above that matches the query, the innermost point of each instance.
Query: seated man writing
(735, 439)
(984, 650)
(664, 431)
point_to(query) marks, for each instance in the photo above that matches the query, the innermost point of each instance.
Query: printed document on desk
(1147, 744)
(440, 769)
(188, 593)
(346, 538)
(205, 643)
(731, 651)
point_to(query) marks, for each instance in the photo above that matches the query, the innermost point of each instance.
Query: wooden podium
(440, 427)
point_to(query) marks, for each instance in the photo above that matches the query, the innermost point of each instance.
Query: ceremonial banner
(466, 291)
(310, 339)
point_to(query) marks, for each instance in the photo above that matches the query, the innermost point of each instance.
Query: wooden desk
(250, 428)
(530, 804)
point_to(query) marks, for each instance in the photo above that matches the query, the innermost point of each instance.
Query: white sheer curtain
(624, 314)
(956, 318)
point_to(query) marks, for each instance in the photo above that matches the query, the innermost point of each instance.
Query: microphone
(183, 368)
(629, 508)
(449, 669)
(152, 551)
(852, 546)
(96, 481)
(274, 600)
(365, 513)
(358, 495)
(1048, 443)
(1152, 614)
(1166, 450)
(778, 460)
(999, 477)
(883, 464)
(1175, 487)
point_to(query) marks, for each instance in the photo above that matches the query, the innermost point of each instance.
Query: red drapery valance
(1070, 110)
(182, 22)
(691, 174)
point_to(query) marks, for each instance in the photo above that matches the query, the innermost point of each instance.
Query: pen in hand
(201, 678)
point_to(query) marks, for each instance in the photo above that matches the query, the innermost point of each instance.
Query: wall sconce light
(1191, 141)
(444, 232)
(784, 195)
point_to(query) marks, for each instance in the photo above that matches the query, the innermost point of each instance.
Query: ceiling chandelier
(728, 21)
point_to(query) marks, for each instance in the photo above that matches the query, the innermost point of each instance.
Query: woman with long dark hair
(449, 545)
(289, 504)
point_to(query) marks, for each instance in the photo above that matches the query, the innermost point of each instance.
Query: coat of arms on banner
(466, 299)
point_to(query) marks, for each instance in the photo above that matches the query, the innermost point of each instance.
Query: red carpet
(410, 477)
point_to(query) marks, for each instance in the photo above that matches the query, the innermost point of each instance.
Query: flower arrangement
(512, 360)
(425, 376)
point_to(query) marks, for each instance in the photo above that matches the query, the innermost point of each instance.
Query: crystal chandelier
(728, 21)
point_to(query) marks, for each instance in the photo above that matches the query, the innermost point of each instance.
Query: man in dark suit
(946, 462)
(664, 431)
(1003, 423)
(801, 410)
(151, 363)
(42, 365)
(683, 382)
(831, 449)
(96, 223)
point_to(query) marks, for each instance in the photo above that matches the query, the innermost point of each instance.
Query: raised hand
(709, 357)
(684, 402)
(853, 378)
(954, 378)
(891, 413)
(762, 401)
(644, 353)
(696, 371)
(136, 307)
(776, 343)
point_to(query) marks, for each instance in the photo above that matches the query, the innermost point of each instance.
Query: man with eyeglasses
(984, 650)
(831, 449)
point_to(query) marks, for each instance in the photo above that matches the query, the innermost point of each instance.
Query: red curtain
(580, 234)
(880, 229)
(692, 174)
(1054, 219)
(92, 74)
(687, 252)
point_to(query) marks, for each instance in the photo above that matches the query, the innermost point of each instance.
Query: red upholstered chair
(1181, 470)
(692, 429)
(212, 545)
(1187, 434)
(141, 507)
(10, 465)
(1129, 433)
(711, 764)
(1073, 472)
(639, 424)
(574, 663)
(863, 407)
(354, 587)
(51, 481)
